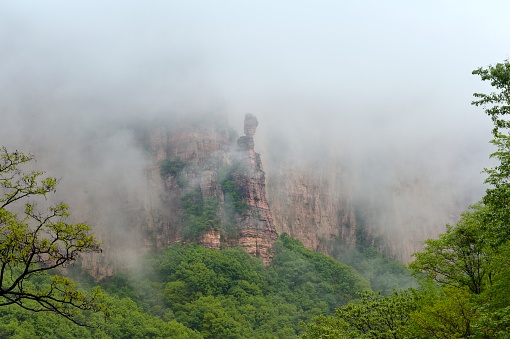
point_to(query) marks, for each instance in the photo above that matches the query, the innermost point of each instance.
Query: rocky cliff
(313, 203)
(327, 205)
(205, 185)
(256, 230)
(202, 185)
(224, 172)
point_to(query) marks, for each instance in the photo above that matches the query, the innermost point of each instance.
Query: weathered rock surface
(257, 233)
(205, 149)
(211, 239)
(324, 205)
(313, 206)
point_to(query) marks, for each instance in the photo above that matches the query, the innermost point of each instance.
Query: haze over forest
(381, 87)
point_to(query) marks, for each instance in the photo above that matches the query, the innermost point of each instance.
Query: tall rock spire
(257, 231)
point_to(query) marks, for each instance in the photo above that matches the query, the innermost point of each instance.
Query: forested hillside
(189, 291)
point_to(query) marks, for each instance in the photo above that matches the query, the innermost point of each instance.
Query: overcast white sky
(364, 75)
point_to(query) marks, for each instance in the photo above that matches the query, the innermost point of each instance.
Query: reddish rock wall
(257, 233)
(206, 149)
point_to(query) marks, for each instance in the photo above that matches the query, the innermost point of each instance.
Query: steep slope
(313, 205)
(327, 205)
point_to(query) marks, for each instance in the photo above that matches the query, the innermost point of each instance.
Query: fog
(364, 82)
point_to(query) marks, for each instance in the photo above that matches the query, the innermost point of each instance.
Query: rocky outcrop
(211, 239)
(250, 126)
(257, 231)
(206, 150)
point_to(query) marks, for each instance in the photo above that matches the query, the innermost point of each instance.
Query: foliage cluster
(234, 207)
(233, 193)
(229, 294)
(198, 215)
(234, 197)
(127, 320)
(171, 167)
(373, 316)
(193, 292)
(35, 240)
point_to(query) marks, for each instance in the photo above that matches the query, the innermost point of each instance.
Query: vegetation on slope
(198, 215)
(193, 292)
(384, 275)
(171, 167)
(229, 294)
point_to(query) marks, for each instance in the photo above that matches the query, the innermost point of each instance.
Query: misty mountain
(192, 179)
(366, 132)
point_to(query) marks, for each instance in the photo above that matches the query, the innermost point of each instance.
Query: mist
(384, 88)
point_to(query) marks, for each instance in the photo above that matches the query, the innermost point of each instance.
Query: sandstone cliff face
(196, 153)
(312, 204)
(199, 148)
(326, 205)
(257, 231)
(206, 151)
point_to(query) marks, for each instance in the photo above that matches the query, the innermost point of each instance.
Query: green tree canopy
(373, 316)
(496, 104)
(458, 256)
(36, 240)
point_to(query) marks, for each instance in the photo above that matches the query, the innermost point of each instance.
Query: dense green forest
(188, 291)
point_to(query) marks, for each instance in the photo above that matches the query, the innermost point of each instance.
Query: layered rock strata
(314, 206)
(257, 231)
